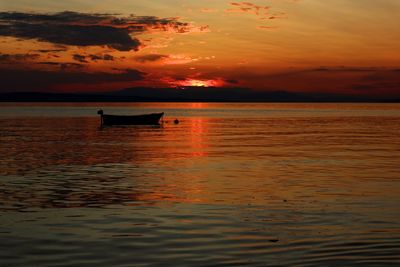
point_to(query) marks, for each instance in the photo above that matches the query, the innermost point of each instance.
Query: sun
(199, 83)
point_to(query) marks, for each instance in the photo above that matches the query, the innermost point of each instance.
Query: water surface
(232, 184)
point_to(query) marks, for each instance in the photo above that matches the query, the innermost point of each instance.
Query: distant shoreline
(75, 97)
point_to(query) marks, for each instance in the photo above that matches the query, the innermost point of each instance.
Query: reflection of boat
(145, 119)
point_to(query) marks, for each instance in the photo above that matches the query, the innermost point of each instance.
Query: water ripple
(280, 185)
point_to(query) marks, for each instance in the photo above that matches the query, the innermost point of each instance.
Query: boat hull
(146, 119)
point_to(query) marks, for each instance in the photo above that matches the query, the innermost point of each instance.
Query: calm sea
(231, 184)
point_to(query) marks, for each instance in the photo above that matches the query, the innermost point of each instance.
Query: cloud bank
(86, 29)
(42, 80)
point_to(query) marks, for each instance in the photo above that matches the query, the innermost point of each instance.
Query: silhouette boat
(143, 119)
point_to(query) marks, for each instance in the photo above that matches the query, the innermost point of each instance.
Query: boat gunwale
(140, 119)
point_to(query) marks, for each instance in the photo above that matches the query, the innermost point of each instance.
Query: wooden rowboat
(144, 119)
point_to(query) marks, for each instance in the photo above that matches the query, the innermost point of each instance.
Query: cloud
(165, 59)
(150, 58)
(267, 27)
(263, 13)
(231, 81)
(363, 87)
(92, 57)
(51, 50)
(40, 80)
(18, 57)
(281, 15)
(208, 10)
(80, 58)
(345, 69)
(64, 66)
(391, 85)
(86, 29)
(78, 35)
(247, 7)
(334, 79)
(106, 57)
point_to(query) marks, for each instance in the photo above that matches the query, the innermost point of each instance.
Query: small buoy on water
(176, 121)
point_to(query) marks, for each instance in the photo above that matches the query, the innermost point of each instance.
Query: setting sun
(199, 83)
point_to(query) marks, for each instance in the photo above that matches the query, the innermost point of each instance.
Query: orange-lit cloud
(164, 59)
(267, 27)
(247, 7)
(151, 58)
(262, 12)
(208, 10)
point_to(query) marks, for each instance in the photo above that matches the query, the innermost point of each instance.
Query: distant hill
(221, 94)
(185, 94)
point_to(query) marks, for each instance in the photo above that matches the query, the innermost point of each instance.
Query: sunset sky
(337, 46)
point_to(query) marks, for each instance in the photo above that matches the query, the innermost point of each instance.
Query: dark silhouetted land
(187, 94)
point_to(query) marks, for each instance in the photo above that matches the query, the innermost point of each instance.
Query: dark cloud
(384, 86)
(376, 76)
(247, 7)
(349, 80)
(364, 87)
(334, 70)
(39, 80)
(51, 50)
(231, 81)
(92, 57)
(106, 57)
(80, 58)
(78, 35)
(63, 66)
(18, 57)
(383, 79)
(50, 63)
(321, 69)
(82, 29)
(150, 58)
(345, 69)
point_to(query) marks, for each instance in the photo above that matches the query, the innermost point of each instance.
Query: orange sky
(336, 46)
